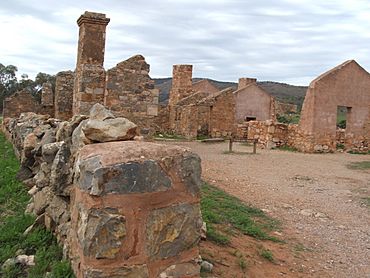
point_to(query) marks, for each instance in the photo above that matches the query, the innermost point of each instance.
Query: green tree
(8, 82)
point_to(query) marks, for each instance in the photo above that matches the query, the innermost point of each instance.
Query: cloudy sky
(289, 41)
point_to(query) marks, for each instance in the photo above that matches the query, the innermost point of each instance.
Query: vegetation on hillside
(281, 91)
(13, 223)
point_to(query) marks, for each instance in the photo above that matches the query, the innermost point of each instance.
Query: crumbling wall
(121, 208)
(130, 92)
(47, 99)
(18, 103)
(346, 85)
(182, 87)
(89, 85)
(269, 134)
(64, 95)
(222, 114)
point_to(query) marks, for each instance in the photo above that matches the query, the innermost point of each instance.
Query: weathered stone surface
(100, 232)
(172, 230)
(42, 178)
(61, 170)
(41, 200)
(138, 271)
(78, 137)
(190, 269)
(190, 172)
(131, 177)
(64, 84)
(118, 129)
(100, 113)
(58, 210)
(50, 150)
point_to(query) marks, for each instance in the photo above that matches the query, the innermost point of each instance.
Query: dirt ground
(318, 199)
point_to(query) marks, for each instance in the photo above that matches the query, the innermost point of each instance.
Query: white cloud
(287, 41)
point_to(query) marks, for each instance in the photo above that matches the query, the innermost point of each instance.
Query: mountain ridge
(281, 91)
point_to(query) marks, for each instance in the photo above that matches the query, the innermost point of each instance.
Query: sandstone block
(100, 232)
(172, 230)
(118, 129)
(190, 269)
(138, 271)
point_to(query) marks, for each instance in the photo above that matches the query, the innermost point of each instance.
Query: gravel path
(317, 198)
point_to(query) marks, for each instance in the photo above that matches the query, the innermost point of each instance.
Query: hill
(281, 91)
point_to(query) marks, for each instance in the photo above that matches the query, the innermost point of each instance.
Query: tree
(8, 82)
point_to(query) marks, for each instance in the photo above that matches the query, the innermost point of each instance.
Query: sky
(290, 41)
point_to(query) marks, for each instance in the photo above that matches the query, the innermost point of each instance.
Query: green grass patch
(291, 118)
(225, 215)
(361, 153)
(267, 254)
(286, 148)
(361, 165)
(366, 201)
(13, 222)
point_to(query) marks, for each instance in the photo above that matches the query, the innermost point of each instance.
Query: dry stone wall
(120, 207)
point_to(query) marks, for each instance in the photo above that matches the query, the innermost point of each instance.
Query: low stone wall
(272, 134)
(120, 208)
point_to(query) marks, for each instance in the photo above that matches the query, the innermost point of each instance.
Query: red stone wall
(135, 211)
(18, 103)
(64, 95)
(222, 115)
(130, 92)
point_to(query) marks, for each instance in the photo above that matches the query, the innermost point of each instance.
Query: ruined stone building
(345, 86)
(201, 109)
(348, 86)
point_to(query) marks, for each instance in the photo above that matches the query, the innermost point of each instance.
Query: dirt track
(317, 198)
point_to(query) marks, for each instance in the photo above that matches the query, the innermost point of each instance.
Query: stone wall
(64, 95)
(130, 92)
(18, 103)
(222, 114)
(47, 99)
(120, 208)
(89, 82)
(182, 87)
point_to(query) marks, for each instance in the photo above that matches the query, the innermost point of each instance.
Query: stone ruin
(347, 85)
(120, 207)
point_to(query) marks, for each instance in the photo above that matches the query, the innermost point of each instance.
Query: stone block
(173, 230)
(100, 232)
(137, 271)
